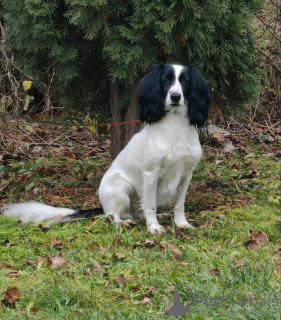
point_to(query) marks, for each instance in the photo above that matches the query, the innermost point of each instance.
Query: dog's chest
(179, 147)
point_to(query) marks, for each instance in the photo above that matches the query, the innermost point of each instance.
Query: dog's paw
(184, 224)
(163, 215)
(128, 223)
(156, 228)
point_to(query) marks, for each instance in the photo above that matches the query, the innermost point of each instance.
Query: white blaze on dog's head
(175, 96)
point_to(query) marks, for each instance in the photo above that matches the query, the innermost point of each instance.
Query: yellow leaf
(26, 85)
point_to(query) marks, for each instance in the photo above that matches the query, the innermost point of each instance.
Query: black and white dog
(156, 165)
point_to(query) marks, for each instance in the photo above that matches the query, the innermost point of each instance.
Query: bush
(72, 48)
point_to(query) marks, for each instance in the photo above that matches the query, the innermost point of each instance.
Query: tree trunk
(132, 114)
(117, 132)
(120, 135)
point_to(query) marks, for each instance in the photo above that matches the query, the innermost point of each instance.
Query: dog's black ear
(199, 98)
(151, 100)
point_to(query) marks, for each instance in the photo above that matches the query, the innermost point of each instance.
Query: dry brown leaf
(261, 238)
(251, 244)
(56, 242)
(212, 174)
(5, 266)
(151, 290)
(220, 216)
(12, 296)
(218, 136)
(34, 309)
(97, 268)
(70, 154)
(201, 227)
(56, 262)
(121, 280)
(229, 148)
(239, 263)
(278, 272)
(144, 301)
(215, 272)
(171, 287)
(13, 275)
(177, 253)
(44, 227)
(117, 242)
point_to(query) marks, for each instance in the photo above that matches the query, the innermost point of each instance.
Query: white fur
(35, 211)
(175, 88)
(154, 167)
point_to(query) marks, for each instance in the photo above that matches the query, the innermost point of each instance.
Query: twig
(236, 185)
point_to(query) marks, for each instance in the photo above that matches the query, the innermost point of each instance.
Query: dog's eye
(165, 80)
(185, 80)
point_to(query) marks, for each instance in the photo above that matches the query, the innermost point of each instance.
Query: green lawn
(111, 272)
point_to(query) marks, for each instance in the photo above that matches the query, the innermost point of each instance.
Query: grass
(112, 272)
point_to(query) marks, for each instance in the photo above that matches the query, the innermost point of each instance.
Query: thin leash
(67, 124)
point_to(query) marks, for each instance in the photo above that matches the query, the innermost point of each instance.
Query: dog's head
(174, 88)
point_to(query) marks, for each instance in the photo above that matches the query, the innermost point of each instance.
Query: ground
(94, 269)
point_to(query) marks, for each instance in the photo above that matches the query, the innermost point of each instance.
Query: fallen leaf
(70, 154)
(166, 225)
(220, 216)
(147, 243)
(201, 227)
(215, 272)
(229, 148)
(117, 242)
(171, 287)
(181, 233)
(151, 290)
(12, 296)
(278, 272)
(13, 275)
(251, 244)
(34, 309)
(268, 155)
(118, 255)
(261, 238)
(5, 266)
(239, 263)
(177, 253)
(97, 268)
(44, 227)
(109, 219)
(121, 280)
(144, 301)
(56, 242)
(218, 136)
(212, 174)
(56, 262)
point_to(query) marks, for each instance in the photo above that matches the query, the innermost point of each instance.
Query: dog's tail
(39, 212)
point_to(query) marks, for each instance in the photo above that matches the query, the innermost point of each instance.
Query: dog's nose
(175, 96)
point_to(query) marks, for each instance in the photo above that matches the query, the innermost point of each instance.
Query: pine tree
(76, 48)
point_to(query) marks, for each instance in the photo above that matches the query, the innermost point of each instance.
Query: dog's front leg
(179, 216)
(150, 180)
